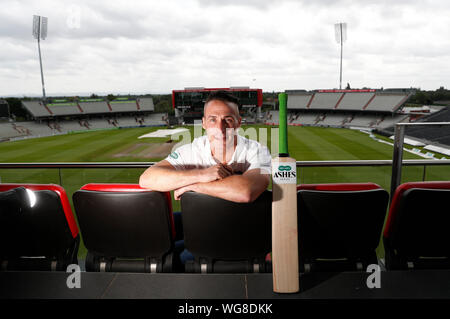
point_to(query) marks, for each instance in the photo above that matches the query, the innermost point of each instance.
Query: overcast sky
(156, 46)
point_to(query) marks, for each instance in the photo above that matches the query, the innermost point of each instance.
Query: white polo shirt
(248, 154)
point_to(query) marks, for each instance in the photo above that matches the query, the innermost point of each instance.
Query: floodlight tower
(341, 35)
(40, 32)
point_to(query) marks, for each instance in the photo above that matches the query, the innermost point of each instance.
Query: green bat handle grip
(283, 142)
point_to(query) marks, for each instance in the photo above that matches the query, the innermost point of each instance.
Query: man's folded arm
(243, 188)
(164, 177)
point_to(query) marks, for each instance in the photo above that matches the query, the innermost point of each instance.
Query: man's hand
(215, 172)
(210, 174)
(180, 191)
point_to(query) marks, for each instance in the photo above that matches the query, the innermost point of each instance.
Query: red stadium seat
(339, 225)
(38, 230)
(416, 234)
(126, 228)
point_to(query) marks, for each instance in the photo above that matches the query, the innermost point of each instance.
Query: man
(221, 164)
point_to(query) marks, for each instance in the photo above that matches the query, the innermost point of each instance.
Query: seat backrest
(339, 225)
(130, 188)
(36, 221)
(416, 233)
(339, 187)
(216, 229)
(124, 221)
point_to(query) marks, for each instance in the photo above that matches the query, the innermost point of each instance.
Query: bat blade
(284, 226)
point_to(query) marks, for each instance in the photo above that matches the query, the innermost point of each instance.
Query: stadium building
(188, 103)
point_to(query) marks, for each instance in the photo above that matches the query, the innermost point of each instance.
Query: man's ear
(203, 123)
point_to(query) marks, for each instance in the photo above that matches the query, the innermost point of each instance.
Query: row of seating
(127, 228)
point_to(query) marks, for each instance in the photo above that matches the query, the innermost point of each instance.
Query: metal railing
(396, 165)
(342, 163)
(397, 158)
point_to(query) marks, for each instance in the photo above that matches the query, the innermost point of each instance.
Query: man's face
(220, 121)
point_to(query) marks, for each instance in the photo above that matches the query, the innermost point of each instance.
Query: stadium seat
(126, 228)
(224, 236)
(339, 225)
(416, 234)
(38, 230)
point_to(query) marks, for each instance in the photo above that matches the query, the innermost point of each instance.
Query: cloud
(156, 46)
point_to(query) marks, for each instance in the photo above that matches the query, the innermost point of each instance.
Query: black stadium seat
(416, 235)
(126, 228)
(38, 230)
(224, 236)
(339, 225)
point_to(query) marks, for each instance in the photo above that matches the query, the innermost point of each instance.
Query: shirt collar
(207, 149)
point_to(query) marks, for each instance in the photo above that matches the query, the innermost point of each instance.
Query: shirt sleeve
(259, 157)
(180, 157)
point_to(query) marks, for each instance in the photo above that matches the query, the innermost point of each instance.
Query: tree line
(440, 96)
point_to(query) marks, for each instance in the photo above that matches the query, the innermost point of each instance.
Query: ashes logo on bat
(284, 173)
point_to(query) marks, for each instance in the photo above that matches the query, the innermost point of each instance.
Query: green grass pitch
(305, 144)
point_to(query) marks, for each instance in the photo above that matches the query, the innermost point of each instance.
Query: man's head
(221, 116)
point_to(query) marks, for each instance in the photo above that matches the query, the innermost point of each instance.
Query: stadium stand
(389, 120)
(37, 129)
(61, 116)
(68, 126)
(88, 106)
(273, 117)
(333, 120)
(37, 108)
(127, 121)
(303, 118)
(416, 234)
(227, 237)
(354, 101)
(389, 102)
(156, 119)
(325, 100)
(358, 100)
(123, 106)
(38, 230)
(364, 120)
(365, 108)
(334, 235)
(299, 100)
(126, 228)
(64, 109)
(343, 119)
(9, 130)
(146, 104)
(94, 107)
(439, 136)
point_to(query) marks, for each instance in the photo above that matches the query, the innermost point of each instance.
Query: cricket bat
(284, 212)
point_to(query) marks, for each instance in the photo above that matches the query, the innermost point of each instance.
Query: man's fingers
(177, 193)
(227, 168)
(224, 172)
